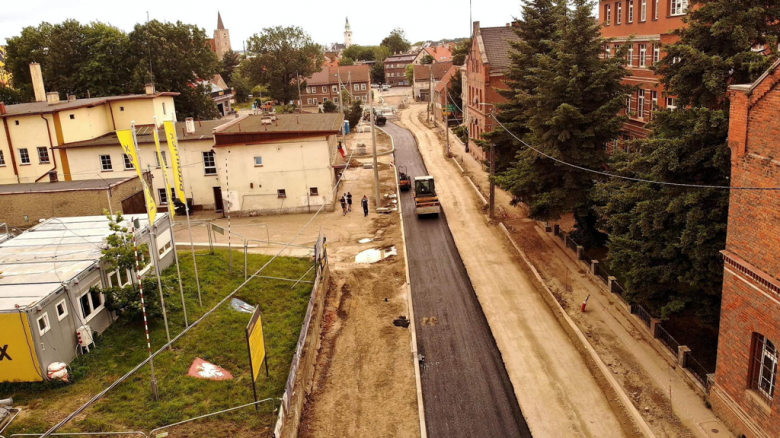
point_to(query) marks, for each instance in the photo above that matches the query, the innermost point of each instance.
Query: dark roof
(62, 186)
(220, 26)
(203, 130)
(400, 58)
(44, 107)
(445, 80)
(328, 75)
(423, 72)
(285, 123)
(496, 42)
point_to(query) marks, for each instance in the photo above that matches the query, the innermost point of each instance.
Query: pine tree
(569, 113)
(665, 240)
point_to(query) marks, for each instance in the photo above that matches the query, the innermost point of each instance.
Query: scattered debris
(207, 370)
(430, 321)
(375, 255)
(241, 306)
(366, 240)
(58, 371)
(401, 321)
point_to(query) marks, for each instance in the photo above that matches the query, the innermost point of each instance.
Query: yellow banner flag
(173, 148)
(127, 142)
(256, 343)
(164, 167)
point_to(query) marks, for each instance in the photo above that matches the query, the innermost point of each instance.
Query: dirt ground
(644, 375)
(557, 392)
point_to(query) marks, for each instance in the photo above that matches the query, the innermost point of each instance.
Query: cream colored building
(276, 165)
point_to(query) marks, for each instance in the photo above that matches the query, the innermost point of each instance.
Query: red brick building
(744, 393)
(324, 85)
(486, 67)
(395, 69)
(649, 23)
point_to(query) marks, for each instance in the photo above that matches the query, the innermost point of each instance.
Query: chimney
(37, 82)
(149, 89)
(53, 97)
(71, 98)
(190, 123)
(3, 110)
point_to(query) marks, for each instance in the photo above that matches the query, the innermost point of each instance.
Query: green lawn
(219, 339)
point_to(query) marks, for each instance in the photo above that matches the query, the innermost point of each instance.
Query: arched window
(764, 372)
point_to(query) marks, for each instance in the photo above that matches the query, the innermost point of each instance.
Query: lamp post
(492, 204)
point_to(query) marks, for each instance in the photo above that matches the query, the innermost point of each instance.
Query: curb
(640, 422)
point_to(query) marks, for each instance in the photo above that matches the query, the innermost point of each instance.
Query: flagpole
(164, 167)
(153, 242)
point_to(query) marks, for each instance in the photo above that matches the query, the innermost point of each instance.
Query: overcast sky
(323, 20)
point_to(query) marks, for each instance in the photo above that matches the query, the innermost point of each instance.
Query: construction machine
(425, 199)
(404, 181)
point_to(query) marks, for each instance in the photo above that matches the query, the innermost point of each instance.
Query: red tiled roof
(329, 75)
(439, 53)
(445, 80)
(423, 72)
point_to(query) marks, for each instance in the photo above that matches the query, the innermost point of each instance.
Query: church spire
(347, 26)
(221, 26)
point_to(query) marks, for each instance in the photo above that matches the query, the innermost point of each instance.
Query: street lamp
(492, 204)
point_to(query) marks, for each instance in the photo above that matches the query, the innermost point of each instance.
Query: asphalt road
(466, 389)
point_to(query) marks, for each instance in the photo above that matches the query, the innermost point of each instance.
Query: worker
(364, 202)
(344, 204)
(349, 202)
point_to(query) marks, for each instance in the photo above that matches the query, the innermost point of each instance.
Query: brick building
(745, 386)
(324, 85)
(425, 75)
(486, 67)
(395, 69)
(443, 107)
(649, 23)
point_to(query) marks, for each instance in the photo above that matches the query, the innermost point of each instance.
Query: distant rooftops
(331, 75)
(144, 134)
(401, 58)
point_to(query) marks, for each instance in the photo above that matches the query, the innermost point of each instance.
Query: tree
(427, 59)
(354, 114)
(378, 72)
(282, 54)
(180, 55)
(329, 107)
(462, 49)
(11, 96)
(227, 65)
(241, 86)
(380, 53)
(664, 239)
(455, 90)
(570, 116)
(410, 73)
(396, 42)
(347, 61)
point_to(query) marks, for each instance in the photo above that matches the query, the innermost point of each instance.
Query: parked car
(385, 87)
(374, 85)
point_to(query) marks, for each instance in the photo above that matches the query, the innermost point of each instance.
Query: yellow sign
(18, 363)
(254, 336)
(127, 142)
(164, 167)
(173, 147)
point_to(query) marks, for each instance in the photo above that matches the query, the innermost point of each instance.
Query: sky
(322, 20)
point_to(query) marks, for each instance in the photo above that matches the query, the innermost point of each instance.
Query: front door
(218, 198)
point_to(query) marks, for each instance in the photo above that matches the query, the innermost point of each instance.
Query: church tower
(347, 35)
(221, 38)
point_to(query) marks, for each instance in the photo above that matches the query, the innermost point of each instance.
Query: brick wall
(751, 286)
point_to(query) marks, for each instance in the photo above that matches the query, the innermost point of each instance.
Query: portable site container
(45, 278)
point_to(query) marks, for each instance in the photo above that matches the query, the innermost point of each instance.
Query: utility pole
(492, 182)
(373, 144)
(300, 101)
(430, 91)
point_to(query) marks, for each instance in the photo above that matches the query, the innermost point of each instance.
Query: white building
(347, 34)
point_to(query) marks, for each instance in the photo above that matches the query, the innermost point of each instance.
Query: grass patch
(219, 339)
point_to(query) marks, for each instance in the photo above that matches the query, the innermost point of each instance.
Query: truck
(425, 199)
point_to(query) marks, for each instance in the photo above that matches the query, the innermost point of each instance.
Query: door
(218, 198)
(134, 204)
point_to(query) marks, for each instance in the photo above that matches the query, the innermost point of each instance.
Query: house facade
(486, 67)
(395, 69)
(648, 24)
(440, 53)
(325, 85)
(744, 392)
(426, 76)
(443, 108)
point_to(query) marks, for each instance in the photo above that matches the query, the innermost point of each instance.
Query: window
(631, 11)
(24, 155)
(656, 53)
(313, 191)
(643, 11)
(671, 103)
(619, 13)
(365, 99)
(73, 117)
(679, 7)
(315, 101)
(43, 323)
(607, 52)
(334, 88)
(105, 163)
(2, 159)
(17, 122)
(653, 102)
(163, 105)
(324, 99)
(628, 105)
(121, 108)
(258, 161)
(655, 10)
(336, 100)
(91, 303)
(157, 159)
(281, 193)
(125, 277)
(764, 367)
(128, 162)
(642, 55)
(43, 155)
(324, 89)
(630, 56)
(355, 87)
(308, 101)
(62, 310)
(163, 195)
(607, 14)
(209, 163)
(362, 87)
(640, 107)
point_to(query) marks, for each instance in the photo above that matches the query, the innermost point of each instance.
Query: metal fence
(696, 369)
(561, 235)
(641, 313)
(584, 256)
(571, 244)
(602, 273)
(667, 339)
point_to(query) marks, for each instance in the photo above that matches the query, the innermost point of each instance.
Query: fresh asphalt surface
(466, 389)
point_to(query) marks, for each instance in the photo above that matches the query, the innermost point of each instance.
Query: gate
(134, 204)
